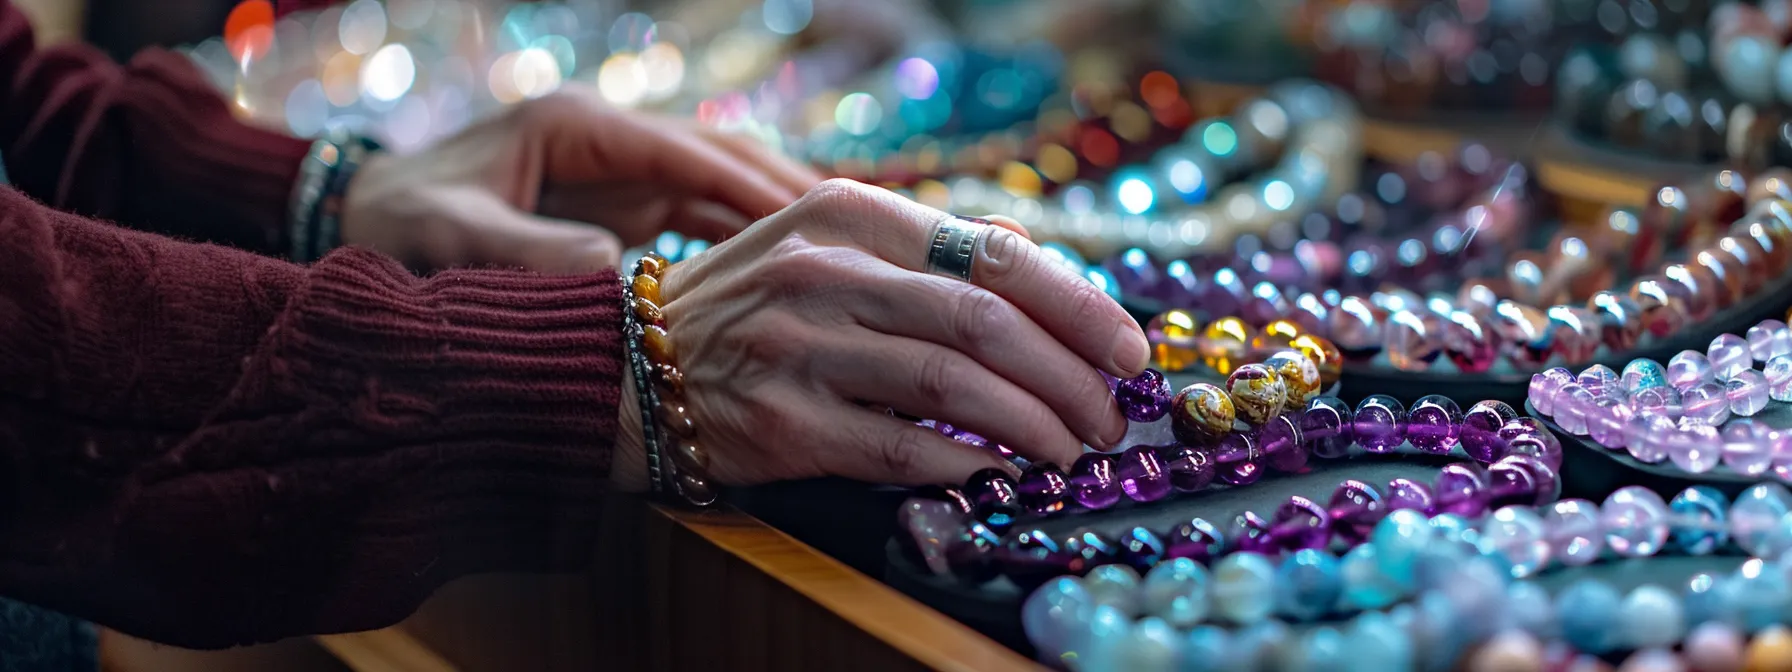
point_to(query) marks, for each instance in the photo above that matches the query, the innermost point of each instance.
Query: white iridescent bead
(1694, 447)
(1635, 521)
(1517, 534)
(1746, 392)
(1748, 447)
(1729, 355)
(1689, 368)
(1759, 520)
(1572, 529)
(1769, 339)
(1706, 402)
(1778, 373)
(1176, 591)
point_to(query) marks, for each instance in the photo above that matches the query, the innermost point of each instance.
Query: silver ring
(954, 247)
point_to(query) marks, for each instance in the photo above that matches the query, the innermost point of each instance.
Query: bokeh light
(787, 17)
(858, 114)
(388, 74)
(341, 78)
(662, 63)
(249, 29)
(1134, 194)
(362, 27)
(307, 109)
(622, 79)
(917, 79)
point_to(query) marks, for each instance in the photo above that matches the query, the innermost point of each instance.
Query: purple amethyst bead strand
(1044, 489)
(1191, 468)
(1404, 493)
(1143, 476)
(1379, 423)
(1145, 397)
(1093, 483)
(1463, 490)
(1355, 508)
(1327, 427)
(996, 501)
(1279, 439)
(1434, 424)
(1480, 430)
(1238, 459)
(1300, 523)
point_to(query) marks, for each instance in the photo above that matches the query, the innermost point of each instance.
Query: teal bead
(1642, 374)
(1099, 649)
(1760, 594)
(1308, 584)
(1319, 650)
(1104, 280)
(1707, 598)
(1177, 591)
(1651, 616)
(1205, 649)
(1152, 646)
(1588, 613)
(1455, 529)
(1759, 520)
(1399, 538)
(1376, 644)
(1114, 585)
(1699, 519)
(1529, 608)
(1438, 640)
(1244, 588)
(1053, 612)
(1257, 647)
(1365, 585)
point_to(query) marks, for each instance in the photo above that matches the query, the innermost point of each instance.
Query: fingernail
(1130, 350)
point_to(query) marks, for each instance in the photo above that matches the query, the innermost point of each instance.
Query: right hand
(792, 336)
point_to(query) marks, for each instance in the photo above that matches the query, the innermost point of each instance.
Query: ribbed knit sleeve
(207, 447)
(150, 145)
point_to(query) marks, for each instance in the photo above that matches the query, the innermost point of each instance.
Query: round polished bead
(1379, 423)
(1434, 424)
(1689, 368)
(1620, 319)
(676, 419)
(1778, 374)
(1257, 392)
(1191, 469)
(1280, 441)
(646, 287)
(1152, 645)
(1206, 647)
(1573, 404)
(1093, 482)
(1769, 339)
(1145, 397)
(1143, 477)
(1307, 584)
(1572, 529)
(1650, 616)
(690, 457)
(1517, 534)
(1054, 612)
(1708, 403)
(1104, 642)
(1598, 379)
(1713, 647)
(1662, 308)
(1470, 343)
(1576, 332)
(1375, 643)
(1044, 489)
(1177, 591)
(1729, 355)
(1090, 549)
(1225, 344)
(1249, 532)
(1323, 354)
(1399, 539)
(1115, 586)
(1354, 509)
(1462, 489)
(1746, 392)
(1512, 650)
(1238, 460)
(1195, 539)
(1244, 588)
(1761, 594)
(994, 497)
(1201, 414)
(1408, 494)
(1606, 423)
(1524, 333)
(1527, 436)
(1355, 329)
(1700, 520)
(971, 553)
(1664, 401)
(1031, 558)
(1748, 447)
(1327, 427)
(1173, 337)
(1480, 430)
(1300, 523)
(1642, 374)
(1523, 480)
(1635, 521)
(1694, 447)
(1544, 386)
(1411, 342)
(1587, 611)
(1648, 437)
(1759, 520)
(648, 312)
(1299, 376)
(1366, 586)
(1140, 549)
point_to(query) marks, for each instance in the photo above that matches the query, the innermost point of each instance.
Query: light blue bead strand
(1054, 612)
(1701, 519)
(1366, 586)
(1588, 612)
(1400, 538)
(1308, 584)
(1651, 616)
(1244, 587)
(1376, 644)
(1206, 648)
(1152, 646)
(1177, 591)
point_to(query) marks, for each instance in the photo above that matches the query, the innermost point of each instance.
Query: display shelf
(1588, 178)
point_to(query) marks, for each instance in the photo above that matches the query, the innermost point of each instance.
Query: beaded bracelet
(659, 384)
(314, 224)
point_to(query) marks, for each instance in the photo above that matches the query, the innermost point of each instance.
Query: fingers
(926, 380)
(877, 448)
(637, 211)
(506, 237)
(1068, 307)
(794, 176)
(674, 158)
(988, 329)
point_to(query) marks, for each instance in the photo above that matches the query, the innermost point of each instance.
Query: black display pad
(1611, 469)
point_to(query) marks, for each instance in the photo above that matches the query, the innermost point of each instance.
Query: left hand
(562, 184)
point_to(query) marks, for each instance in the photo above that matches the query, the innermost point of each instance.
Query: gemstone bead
(1524, 333)
(1517, 534)
(1244, 588)
(1411, 343)
(1093, 483)
(1145, 397)
(1030, 558)
(1115, 586)
(1152, 645)
(1748, 447)
(1576, 332)
(1379, 423)
(1299, 376)
(1174, 336)
(1759, 520)
(1044, 489)
(1409, 494)
(1528, 436)
(1635, 521)
(1708, 403)
(1399, 539)
(1355, 329)
(1650, 616)
(1140, 549)
(1102, 643)
(1642, 374)
(1195, 539)
(1769, 339)
(1324, 356)
(1598, 379)
(1225, 344)
(1177, 591)
(1090, 549)
(1544, 386)
(1250, 533)
(993, 495)
(1778, 374)
(1238, 460)
(1746, 392)
(1480, 430)
(1257, 392)
(1662, 309)
(1689, 368)
(1307, 584)
(1300, 523)
(1728, 355)
(1327, 427)
(1434, 424)
(1462, 489)
(1191, 469)
(1523, 480)
(1573, 403)
(1769, 651)
(1700, 520)
(1761, 593)
(1713, 647)
(1620, 320)
(1572, 530)
(1054, 612)
(1469, 343)
(1280, 441)
(1201, 414)
(1695, 447)
(1354, 509)
(1587, 610)
(1143, 476)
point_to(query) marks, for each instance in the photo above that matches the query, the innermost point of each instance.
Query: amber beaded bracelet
(660, 386)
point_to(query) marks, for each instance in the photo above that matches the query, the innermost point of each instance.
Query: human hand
(793, 336)
(526, 187)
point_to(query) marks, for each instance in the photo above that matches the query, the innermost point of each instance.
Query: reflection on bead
(1434, 424)
(1707, 403)
(658, 344)
(1746, 392)
(1769, 339)
(1573, 532)
(1714, 646)
(1620, 320)
(689, 456)
(1411, 343)
(1201, 414)
(1379, 423)
(1400, 538)
(1480, 429)
(1299, 376)
(1092, 481)
(1174, 338)
(676, 419)
(1470, 343)
(1517, 534)
(695, 489)
(1225, 344)
(1044, 489)
(1700, 520)
(1244, 588)
(1778, 374)
(1145, 397)
(1728, 355)
(1355, 329)
(1758, 520)
(1177, 591)
(1195, 539)
(1053, 612)
(648, 312)
(1635, 521)
(1308, 584)
(1323, 354)
(1257, 392)
(646, 287)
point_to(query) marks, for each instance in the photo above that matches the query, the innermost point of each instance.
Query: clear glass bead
(1517, 534)
(1571, 527)
(1694, 447)
(1778, 373)
(1706, 402)
(1729, 355)
(1758, 519)
(1598, 378)
(1645, 438)
(1689, 368)
(1573, 404)
(1769, 339)
(1746, 392)
(1748, 447)
(1635, 521)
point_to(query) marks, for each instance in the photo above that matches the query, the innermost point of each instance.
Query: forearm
(150, 145)
(207, 447)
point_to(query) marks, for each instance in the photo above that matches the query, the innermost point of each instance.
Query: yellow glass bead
(648, 312)
(1174, 336)
(690, 457)
(653, 264)
(1770, 651)
(1299, 374)
(1324, 355)
(658, 344)
(1275, 337)
(1224, 344)
(646, 287)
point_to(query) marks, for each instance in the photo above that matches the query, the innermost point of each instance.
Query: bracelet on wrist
(667, 429)
(314, 226)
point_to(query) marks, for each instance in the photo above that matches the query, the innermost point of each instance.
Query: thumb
(544, 245)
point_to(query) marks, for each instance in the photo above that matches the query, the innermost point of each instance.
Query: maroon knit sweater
(206, 447)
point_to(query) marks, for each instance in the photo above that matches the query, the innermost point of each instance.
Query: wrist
(628, 461)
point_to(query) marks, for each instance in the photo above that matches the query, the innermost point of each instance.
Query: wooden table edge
(916, 630)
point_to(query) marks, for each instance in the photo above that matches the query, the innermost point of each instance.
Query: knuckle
(1007, 255)
(936, 377)
(978, 319)
(900, 454)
